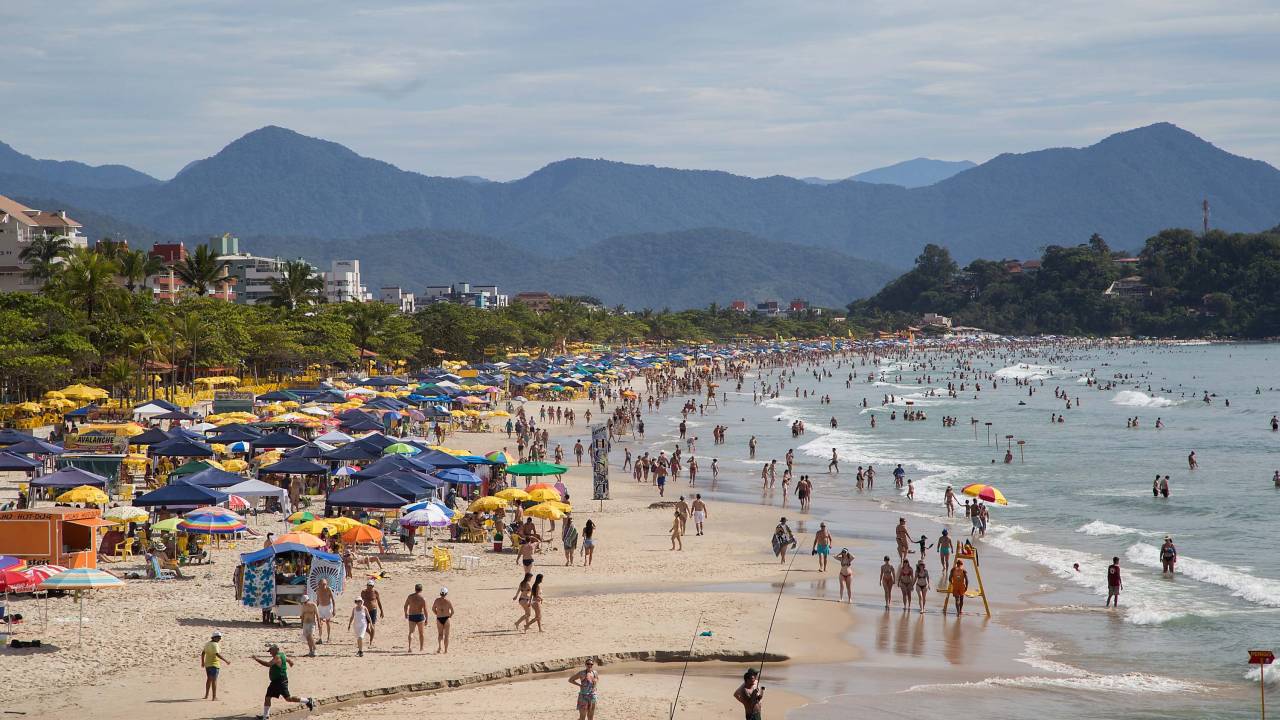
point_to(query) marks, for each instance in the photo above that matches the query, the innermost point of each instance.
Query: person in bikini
(906, 583)
(922, 583)
(888, 578)
(443, 610)
(415, 611)
(845, 558)
(522, 596)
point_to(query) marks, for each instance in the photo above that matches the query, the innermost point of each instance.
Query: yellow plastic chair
(126, 491)
(441, 559)
(124, 549)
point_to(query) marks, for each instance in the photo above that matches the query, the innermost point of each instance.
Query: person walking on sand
(372, 604)
(569, 538)
(845, 558)
(358, 624)
(587, 680)
(676, 523)
(278, 676)
(535, 602)
(944, 550)
(1114, 584)
(588, 542)
(959, 585)
(326, 607)
(577, 451)
(888, 578)
(906, 583)
(822, 541)
(682, 510)
(523, 594)
(922, 583)
(211, 660)
(308, 616)
(904, 539)
(415, 611)
(751, 695)
(443, 610)
(783, 539)
(524, 556)
(700, 513)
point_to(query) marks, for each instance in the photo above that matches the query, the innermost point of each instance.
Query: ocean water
(1082, 494)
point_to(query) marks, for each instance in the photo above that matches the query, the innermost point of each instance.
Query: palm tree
(118, 374)
(43, 256)
(136, 266)
(298, 284)
(202, 270)
(87, 279)
(367, 320)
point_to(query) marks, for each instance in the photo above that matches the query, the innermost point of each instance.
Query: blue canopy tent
(364, 495)
(278, 439)
(35, 447)
(440, 459)
(180, 494)
(295, 466)
(9, 436)
(173, 415)
(267, 553)
(403, 483)
(81, 412)
(329, 397)
(180, 447)
(210, 478)
(379, 440)
(157, 403)
(356, 450)
(69, 477)
(278, 396)
(16, 463)
(235, 435)
(458, 476)
(389, 463)
(356, 421)
(152, 436)
(310, 451)
(384, 381)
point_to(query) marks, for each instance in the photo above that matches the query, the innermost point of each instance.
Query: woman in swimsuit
(522, 596)
(887, 580)
(676, 543)
(922, 583)
(845, 559)
(906, 583)
(587, 680)
(588, 542)
(535, 602)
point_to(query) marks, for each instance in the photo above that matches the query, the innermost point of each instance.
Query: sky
(500, 88)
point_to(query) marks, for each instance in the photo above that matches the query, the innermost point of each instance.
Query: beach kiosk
(56, 535)
(275, 579)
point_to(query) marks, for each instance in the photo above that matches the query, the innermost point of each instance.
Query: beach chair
(441, 559)
(124, 549)
(126, 492)
(161, 573)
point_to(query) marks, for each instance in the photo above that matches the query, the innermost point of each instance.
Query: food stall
(275, 579)
(56, 535)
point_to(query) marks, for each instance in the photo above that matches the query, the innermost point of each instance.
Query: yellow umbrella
(488, 503)
(561, 506)
(513, 495)
(990, 493)
(86, 494)
(344, 524)
(235, 465)
(315, 527)
(54, 395)
(545, 511)
(544, 494)
(29, 407)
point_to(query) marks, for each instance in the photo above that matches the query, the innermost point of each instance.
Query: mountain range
(282, 188)
(920, 172)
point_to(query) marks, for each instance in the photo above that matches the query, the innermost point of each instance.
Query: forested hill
(1181, 285)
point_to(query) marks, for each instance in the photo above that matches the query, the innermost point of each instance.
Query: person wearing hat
(278, 673)
(443, 610)
(211, 660)
(750, 694)
(372, 603)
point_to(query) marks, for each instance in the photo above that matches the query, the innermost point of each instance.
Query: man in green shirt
(278, 673)
(211, 660)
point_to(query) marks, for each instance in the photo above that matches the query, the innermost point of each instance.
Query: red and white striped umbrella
(235, 502)
(40, 573)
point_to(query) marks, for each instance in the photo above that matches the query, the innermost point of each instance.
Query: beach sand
(139, 656)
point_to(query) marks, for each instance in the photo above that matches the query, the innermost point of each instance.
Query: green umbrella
(537, 469)
(170, 525)
(400, 449)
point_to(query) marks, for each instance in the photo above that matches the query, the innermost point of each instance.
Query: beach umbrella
(401, 449)
(537, 469)
(559, 505)
(86, 494)
(126, 514)
(299, 538)
(513, 495)
(342, 523)
(488, 503)
(315, 527)
(169, 525)
(545, 511)
(301, 516)
(429, 516)
(497, 457)
(458, 476)
(212, 510)
(37, 574)
(240, 446)
(544, 494)
(989, 493)
(237, 503)
(211, 524)
(81, 579)
(414, 507)
(14, 581)
(9, 562)
(541, 486)
(346, 470)
(362, 534)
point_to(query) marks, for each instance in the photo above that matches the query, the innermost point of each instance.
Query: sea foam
(1134, 398)
(1261, 591)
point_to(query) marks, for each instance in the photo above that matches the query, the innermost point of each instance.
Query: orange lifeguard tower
(57, 535)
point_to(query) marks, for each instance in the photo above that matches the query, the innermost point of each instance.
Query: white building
(343, 283)
(19, 225)
(398, 297)
(481, 296)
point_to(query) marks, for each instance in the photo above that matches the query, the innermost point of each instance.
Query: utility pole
(1205, 206)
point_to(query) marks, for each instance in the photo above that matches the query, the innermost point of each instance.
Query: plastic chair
(470, 562)
(126, 491)
(124, 548)
(441, 559)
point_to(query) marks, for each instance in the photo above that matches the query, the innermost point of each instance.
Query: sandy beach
(139, 657)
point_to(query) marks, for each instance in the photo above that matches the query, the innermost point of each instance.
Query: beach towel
(330, 570)
(259, 585)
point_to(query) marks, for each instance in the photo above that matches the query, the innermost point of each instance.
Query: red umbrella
(40, 573)
(235, 502)
(15, 581)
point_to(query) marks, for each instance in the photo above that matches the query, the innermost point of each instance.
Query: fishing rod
(687, 657)
(776, 605)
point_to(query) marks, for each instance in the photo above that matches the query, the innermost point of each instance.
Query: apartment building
(19, 226)
(398, 297)
(481, 296)
(343, 282)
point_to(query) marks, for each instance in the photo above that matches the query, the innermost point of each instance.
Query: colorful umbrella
(213, 510)
(81, 579)
(9, 562)
(209, 524)
(429, 516)
(86, 494)
(301, 538)
(15, 581)
(362, 534)
(301, 516)
(414, 507)
(497, 456)
(989, 493)
(541, 486)
(235, 502)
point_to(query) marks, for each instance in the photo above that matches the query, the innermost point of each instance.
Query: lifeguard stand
(966, 552)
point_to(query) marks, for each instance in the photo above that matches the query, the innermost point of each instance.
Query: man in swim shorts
(443, 610)
(822, 546)
(309, 617)
(415, 611)
(699, 508)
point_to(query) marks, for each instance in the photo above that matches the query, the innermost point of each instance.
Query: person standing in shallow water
(888, 578)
